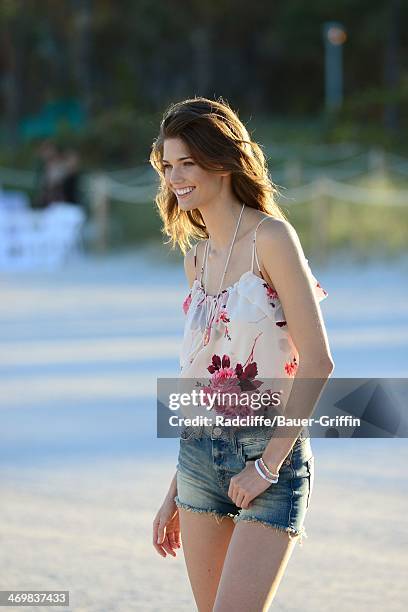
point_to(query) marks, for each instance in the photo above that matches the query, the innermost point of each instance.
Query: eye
(186, 163)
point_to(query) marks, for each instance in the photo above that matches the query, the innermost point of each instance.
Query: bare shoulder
(278, 237)
(273, 226)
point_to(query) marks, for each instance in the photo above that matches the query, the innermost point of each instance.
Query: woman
(240, 494)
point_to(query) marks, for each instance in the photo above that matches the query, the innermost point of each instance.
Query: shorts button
(217, 431)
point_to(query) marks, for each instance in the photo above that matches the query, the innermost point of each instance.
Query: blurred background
(90, 309)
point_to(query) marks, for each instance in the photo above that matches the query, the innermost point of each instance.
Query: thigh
(253, 568)
(205, 544)
(205, 513)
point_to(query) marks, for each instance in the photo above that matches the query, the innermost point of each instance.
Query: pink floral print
(291, 367)
(186, 303)
(271, 293)
(276, 352)
(234, 380)
(228, 379)
(223, 317)
(272, 297)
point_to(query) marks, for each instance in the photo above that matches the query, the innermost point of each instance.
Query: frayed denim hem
(219, 516)
(293, 533)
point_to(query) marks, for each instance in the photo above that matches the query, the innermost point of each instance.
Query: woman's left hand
(247, 485)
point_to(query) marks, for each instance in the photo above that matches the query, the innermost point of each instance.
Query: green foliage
(133, 224)
(130, 57)
(125, 61)
(117, 137)
(373, 230)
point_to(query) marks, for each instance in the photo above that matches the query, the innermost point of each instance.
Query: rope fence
(318, 185)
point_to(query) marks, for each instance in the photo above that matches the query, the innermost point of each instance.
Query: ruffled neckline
(200, 287)
(268, 299)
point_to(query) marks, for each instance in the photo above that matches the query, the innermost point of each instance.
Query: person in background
(58, 176)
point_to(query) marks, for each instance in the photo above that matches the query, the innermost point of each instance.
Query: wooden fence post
(377, 163)
(100, 210)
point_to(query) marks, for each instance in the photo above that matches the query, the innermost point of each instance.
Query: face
(194, 187)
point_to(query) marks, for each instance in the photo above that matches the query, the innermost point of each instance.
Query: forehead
(175, 149)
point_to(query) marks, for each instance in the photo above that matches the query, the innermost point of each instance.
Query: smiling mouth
(184, 194)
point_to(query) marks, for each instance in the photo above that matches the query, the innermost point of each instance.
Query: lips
(184, 195)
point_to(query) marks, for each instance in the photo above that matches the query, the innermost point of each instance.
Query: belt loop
(233, 438)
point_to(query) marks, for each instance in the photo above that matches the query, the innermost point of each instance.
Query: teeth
(185, 190)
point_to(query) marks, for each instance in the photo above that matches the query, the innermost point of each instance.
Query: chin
(185, 206)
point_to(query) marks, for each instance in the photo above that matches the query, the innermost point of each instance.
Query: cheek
(204, 180)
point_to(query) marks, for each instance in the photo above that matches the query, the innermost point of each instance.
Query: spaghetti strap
(195, 260)
(195, 263)
(254, 253)
(204, 260)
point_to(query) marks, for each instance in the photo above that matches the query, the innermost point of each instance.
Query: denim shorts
(209, 457)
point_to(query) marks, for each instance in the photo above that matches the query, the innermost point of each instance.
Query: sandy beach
(85, 526)
(82, 472)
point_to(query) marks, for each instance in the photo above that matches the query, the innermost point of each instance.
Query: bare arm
(166, 523)
(190, 275)
(284, 261)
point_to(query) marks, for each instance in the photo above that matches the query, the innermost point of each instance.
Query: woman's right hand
(166, 528)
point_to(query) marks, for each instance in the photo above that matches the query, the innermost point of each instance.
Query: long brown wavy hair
(217, 141)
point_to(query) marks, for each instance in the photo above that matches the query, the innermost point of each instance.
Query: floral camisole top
(250, 342)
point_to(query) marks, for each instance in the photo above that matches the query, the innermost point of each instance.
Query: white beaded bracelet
(266, 469)
(258, 469)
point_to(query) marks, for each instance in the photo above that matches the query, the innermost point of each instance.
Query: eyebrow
(179, 159)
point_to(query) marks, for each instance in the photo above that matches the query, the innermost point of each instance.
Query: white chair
(40, 238)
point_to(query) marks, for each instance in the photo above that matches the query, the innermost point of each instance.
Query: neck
(221, 221)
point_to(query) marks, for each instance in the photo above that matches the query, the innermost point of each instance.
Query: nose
(175, 176)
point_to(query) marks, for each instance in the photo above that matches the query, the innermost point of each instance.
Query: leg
(205, 540)
(253, 568)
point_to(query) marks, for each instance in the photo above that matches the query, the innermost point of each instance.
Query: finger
(239, 499)
(159, 548)
(167, 547)
(157, 537)
(178, 538)
(231, 489)
(173, 540)
(161, 533)
(245, 503)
